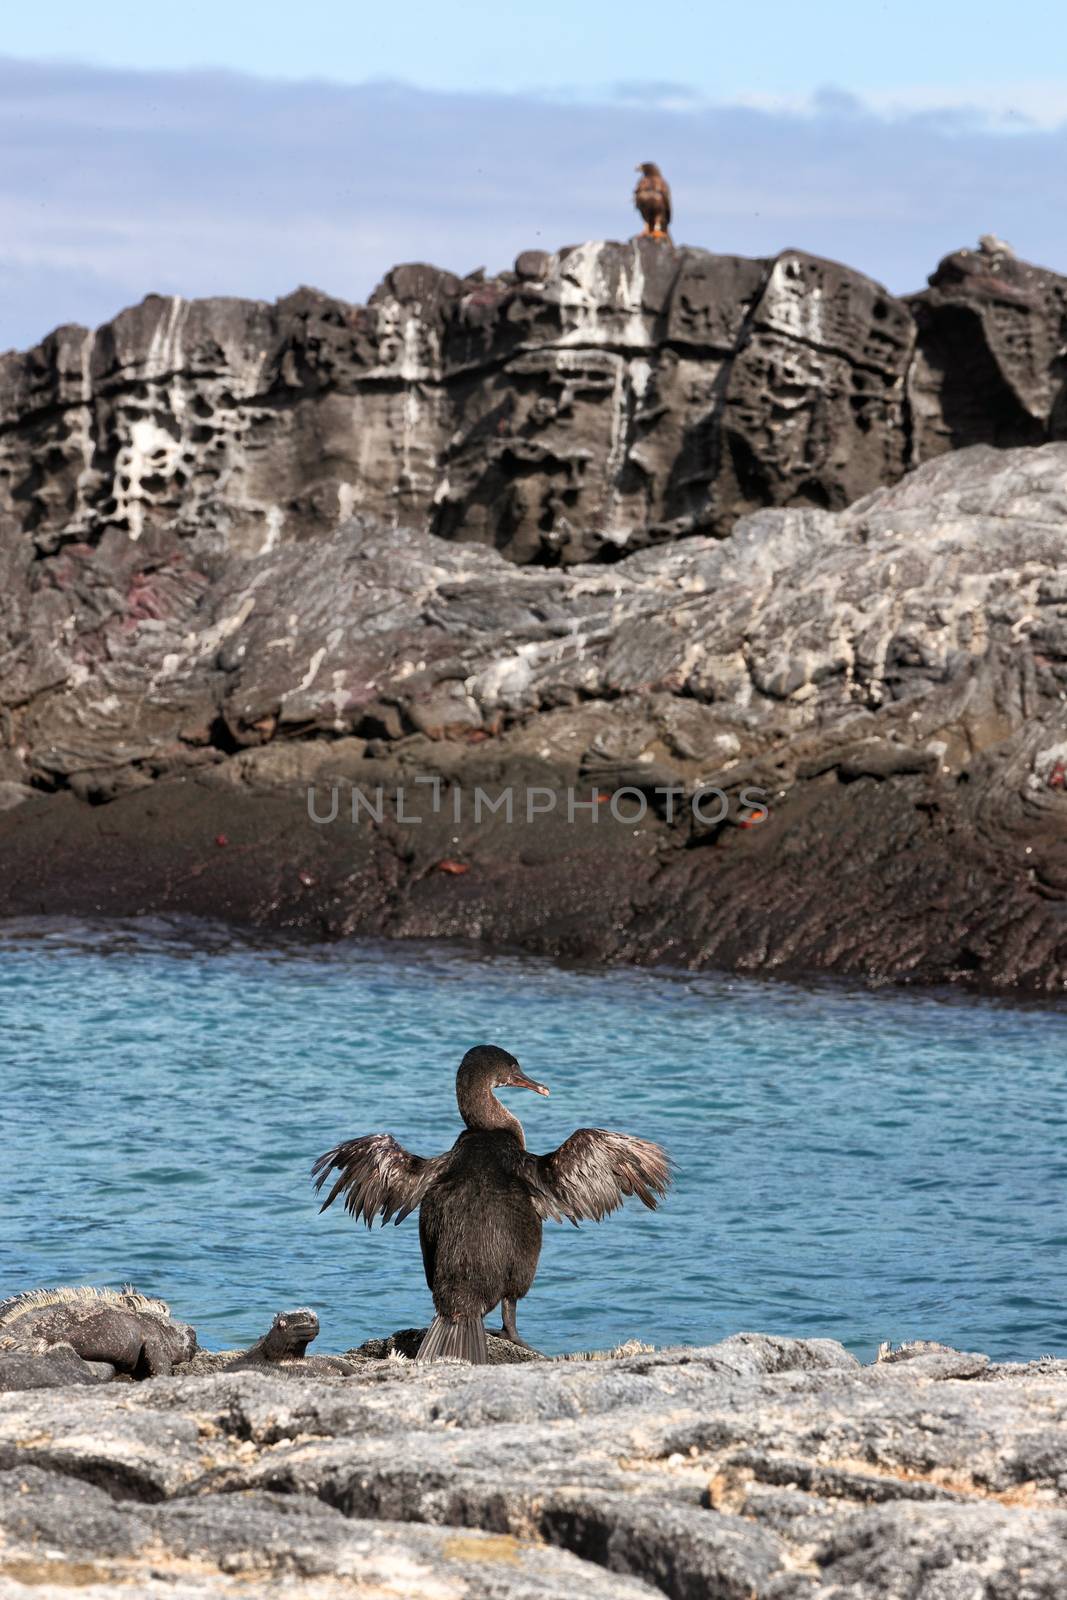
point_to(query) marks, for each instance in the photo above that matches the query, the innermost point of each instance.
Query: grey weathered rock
(66, 1534)
(55, 1367)
(762, 1468)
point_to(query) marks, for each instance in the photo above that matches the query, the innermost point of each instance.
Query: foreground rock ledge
(759, 1467)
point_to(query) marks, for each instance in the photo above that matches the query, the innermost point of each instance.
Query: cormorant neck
(482, 1111)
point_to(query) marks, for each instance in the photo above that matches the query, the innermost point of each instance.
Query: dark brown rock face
(239, 559)
(590, 402)
(990, 364)
(892, 679)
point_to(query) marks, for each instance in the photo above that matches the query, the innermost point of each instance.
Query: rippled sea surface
(860, 1164)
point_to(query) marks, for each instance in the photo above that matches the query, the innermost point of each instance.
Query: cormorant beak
(519, 1080)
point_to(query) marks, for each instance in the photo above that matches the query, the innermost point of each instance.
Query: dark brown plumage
(482, 1203)
(652, 197)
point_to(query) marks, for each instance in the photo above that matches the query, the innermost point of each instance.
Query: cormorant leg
(509, 1330)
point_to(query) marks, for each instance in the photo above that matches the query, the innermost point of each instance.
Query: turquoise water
(860, 1164)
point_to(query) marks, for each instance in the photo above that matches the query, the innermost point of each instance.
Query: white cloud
(1000, 108)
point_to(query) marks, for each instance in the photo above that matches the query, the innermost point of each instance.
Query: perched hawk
(652, 197)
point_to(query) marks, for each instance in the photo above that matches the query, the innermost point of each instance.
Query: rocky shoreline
(759, 1468)
(890, 681)
(210, 641)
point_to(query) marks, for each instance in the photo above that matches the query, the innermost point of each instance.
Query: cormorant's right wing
(592, 1172)
(376, 1174)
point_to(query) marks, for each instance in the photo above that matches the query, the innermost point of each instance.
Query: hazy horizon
(122, 182)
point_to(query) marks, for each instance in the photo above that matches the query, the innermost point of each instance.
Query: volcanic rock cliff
(843, 732)
(596, 400)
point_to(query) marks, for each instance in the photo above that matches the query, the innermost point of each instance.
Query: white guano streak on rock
(616, 452)
(83, 423)
(337, 698)
(580, 289)
(312, 672)
(165, 349)
(410, 366)
(583, 291)
(148, 450)
(412, 415)
(413, 370)
(511, 676)
(275, 523)
(412, 349)
(348, 495)
(640, 373)
(507, 677)
(792, 305)
(212, 637)
(636, 330)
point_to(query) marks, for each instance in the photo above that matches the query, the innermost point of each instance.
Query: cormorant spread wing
(376, 1174)
(592, 1172)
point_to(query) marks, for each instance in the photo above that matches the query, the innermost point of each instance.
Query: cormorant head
(487, 1065)
(649, 168)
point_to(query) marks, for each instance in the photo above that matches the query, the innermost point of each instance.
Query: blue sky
(239, 149)
(925, 50)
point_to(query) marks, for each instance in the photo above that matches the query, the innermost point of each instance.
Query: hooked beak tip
(521, 1081)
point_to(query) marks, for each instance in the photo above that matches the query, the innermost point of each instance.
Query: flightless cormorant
(482, 1203)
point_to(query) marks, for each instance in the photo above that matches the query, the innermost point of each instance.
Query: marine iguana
(284, 1344)
(287, 1338)
(132, 1332)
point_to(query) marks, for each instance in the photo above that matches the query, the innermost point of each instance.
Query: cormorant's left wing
(376, 1174)
(593, 1171)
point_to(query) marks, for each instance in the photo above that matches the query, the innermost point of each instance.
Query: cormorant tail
(462, 1338)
